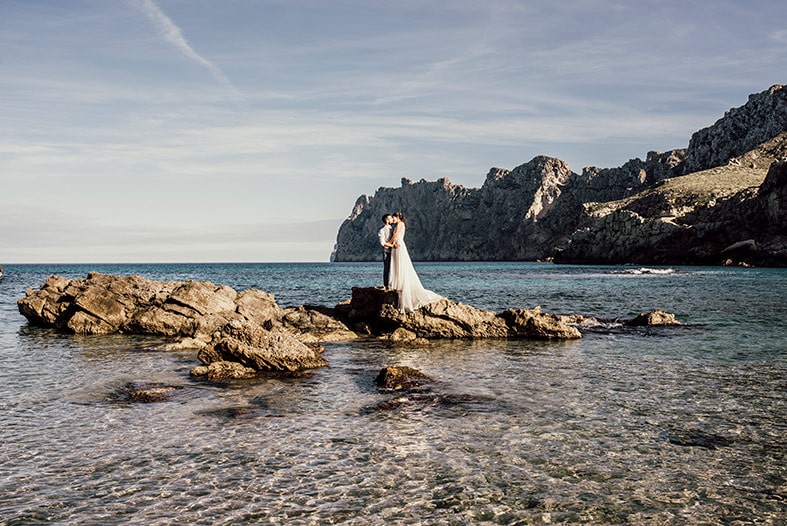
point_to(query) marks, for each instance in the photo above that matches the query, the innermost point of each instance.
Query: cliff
(710, 203)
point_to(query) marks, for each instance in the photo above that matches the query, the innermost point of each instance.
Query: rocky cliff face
(682, 206)
(742, 129)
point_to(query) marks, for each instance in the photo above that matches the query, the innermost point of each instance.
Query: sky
(245, 130)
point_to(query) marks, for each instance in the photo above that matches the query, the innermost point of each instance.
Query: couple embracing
(398, 271)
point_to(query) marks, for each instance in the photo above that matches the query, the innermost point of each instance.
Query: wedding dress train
(404, 279)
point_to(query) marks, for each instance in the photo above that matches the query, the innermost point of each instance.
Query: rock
(156, 320)
(741, 129)
(446, 319)
(45, 306)
(524, 323)
(102, 304)
(99, 304)
(145, 393)
(656, 317)
(451, 320)
(694, 438)
(310, 325)
(199, 298)
(223, 370)
(772, 196)
(366, 304)
(401, 377)
(186, 344)
(259, 307)
(402, 336)
(249, 329)
(249, 344)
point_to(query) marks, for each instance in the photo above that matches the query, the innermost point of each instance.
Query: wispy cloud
(170, 32)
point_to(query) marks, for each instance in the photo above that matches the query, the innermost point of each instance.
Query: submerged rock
(694, 438)
(141, 392)
(401, 377)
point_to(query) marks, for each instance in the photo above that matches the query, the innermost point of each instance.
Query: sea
(678, 425)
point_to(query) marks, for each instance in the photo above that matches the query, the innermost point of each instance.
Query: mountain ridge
(683, 206)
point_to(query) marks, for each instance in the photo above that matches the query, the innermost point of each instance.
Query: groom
(384, 235)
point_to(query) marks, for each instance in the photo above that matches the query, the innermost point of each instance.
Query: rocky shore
(720, 201)
(241, 334)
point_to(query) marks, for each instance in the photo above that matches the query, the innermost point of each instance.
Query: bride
(404, 279)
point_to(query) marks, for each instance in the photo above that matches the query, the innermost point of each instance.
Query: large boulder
(252, 346)
(447, 319)
(532, 323)
(366, 304)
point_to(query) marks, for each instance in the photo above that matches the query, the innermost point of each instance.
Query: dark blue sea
(671, 425)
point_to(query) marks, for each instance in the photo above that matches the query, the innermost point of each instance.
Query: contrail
(172, 34)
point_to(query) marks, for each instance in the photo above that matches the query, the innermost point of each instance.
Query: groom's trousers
(386, 269)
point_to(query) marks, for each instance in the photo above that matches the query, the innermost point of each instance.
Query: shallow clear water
(678, 425)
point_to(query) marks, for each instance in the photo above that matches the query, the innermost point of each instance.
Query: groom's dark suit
(384, 235)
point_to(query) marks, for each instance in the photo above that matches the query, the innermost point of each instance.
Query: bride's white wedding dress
(404, 279)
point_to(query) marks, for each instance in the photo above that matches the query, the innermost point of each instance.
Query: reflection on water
(647, 426)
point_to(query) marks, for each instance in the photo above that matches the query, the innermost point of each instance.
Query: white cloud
(170, 32)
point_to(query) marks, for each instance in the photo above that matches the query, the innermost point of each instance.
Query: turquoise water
(677, 425)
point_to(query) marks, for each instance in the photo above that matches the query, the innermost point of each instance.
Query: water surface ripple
(679, 425)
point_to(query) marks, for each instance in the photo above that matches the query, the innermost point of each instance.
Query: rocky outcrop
(446, 319)
(226, 323)
(242, 334)
(702, 218)
(248, 328)
(742, 129)
(103, 304)
(684, 206)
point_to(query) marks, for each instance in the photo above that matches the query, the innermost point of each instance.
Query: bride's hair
(401, 218)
